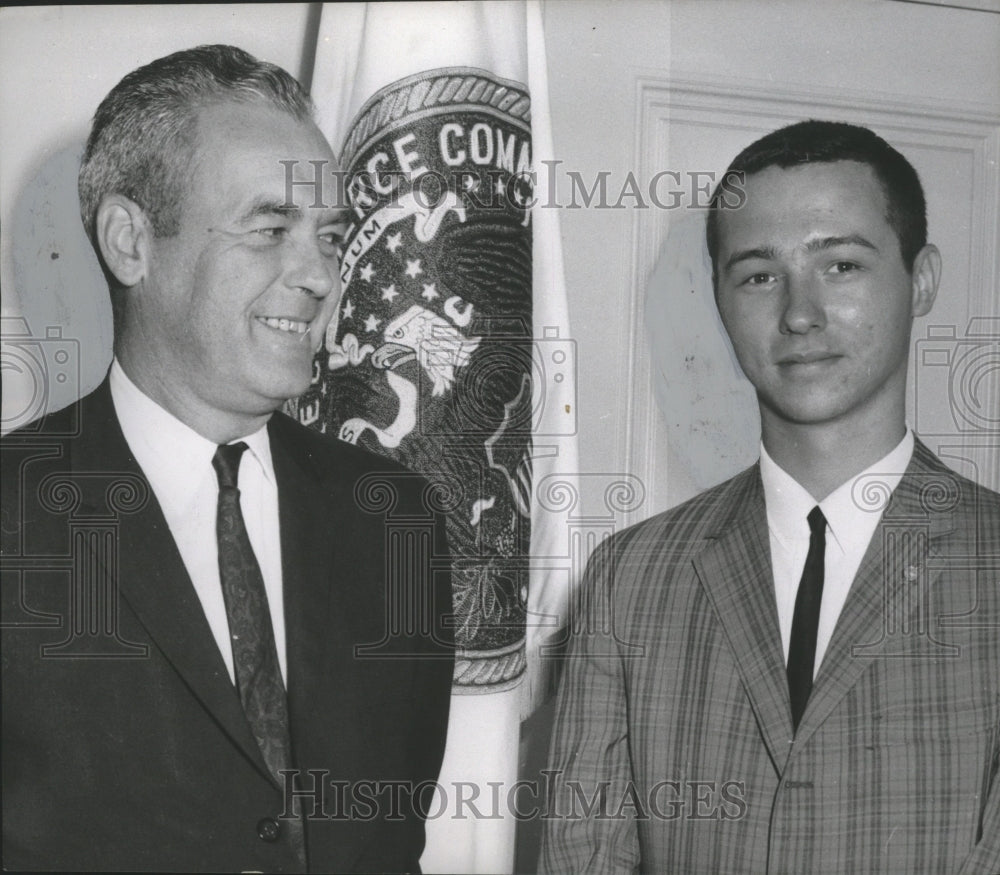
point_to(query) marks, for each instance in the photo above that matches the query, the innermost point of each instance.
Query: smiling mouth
(290, 326)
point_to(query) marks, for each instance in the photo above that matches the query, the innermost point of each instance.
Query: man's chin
(276, 389)
(294, 390)
(807, 410)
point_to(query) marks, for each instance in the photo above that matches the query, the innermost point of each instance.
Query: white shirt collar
(160, 441)
(852, 510)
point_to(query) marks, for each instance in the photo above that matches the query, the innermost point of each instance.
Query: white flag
(451, 350)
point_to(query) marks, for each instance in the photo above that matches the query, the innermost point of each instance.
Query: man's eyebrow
(336, 217)
(268, 206)
(764, 253)
(831, 242)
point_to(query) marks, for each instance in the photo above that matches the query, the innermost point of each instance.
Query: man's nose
(802, 309)
(311, 270)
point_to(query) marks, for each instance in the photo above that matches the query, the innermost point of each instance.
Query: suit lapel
(331, 567)
(735, 569)
(151, 576)
(882, 614)
(884, 611)
(306, 557)
(325, 554)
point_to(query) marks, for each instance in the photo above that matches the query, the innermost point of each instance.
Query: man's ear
(925, 276)
(123, 234)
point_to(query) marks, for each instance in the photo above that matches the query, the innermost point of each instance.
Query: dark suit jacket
(124, 743)
(675, 695)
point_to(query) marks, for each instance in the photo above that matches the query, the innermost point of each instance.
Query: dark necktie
(805, 622)
(255, 656)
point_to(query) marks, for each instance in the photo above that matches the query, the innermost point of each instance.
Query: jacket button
(268, 829)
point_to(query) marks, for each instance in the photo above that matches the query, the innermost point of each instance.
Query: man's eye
(331, 242)
(758, 279)
(274, 233)
(841, 267)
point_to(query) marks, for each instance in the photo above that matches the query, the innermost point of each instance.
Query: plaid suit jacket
(673, 749)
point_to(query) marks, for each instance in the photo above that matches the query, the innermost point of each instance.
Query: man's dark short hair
(143, 140)
(815, 141)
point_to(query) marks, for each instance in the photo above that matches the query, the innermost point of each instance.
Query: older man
(219, 652)
(798, 670)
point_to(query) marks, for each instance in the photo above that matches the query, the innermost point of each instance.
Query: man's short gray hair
(143, 139)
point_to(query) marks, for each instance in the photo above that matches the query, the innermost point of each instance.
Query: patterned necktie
(805, 622)
(255, 656)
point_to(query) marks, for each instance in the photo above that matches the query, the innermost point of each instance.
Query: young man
(798, 670)
(197, 590)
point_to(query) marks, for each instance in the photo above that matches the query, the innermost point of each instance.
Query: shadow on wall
(57, 340)
(708, 406)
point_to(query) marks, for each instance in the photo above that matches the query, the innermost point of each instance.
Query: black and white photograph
(501, 436)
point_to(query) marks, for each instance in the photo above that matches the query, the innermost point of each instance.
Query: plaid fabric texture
(673, 749)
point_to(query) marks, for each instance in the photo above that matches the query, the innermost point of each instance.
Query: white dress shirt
(852, 512)
(177, 462)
